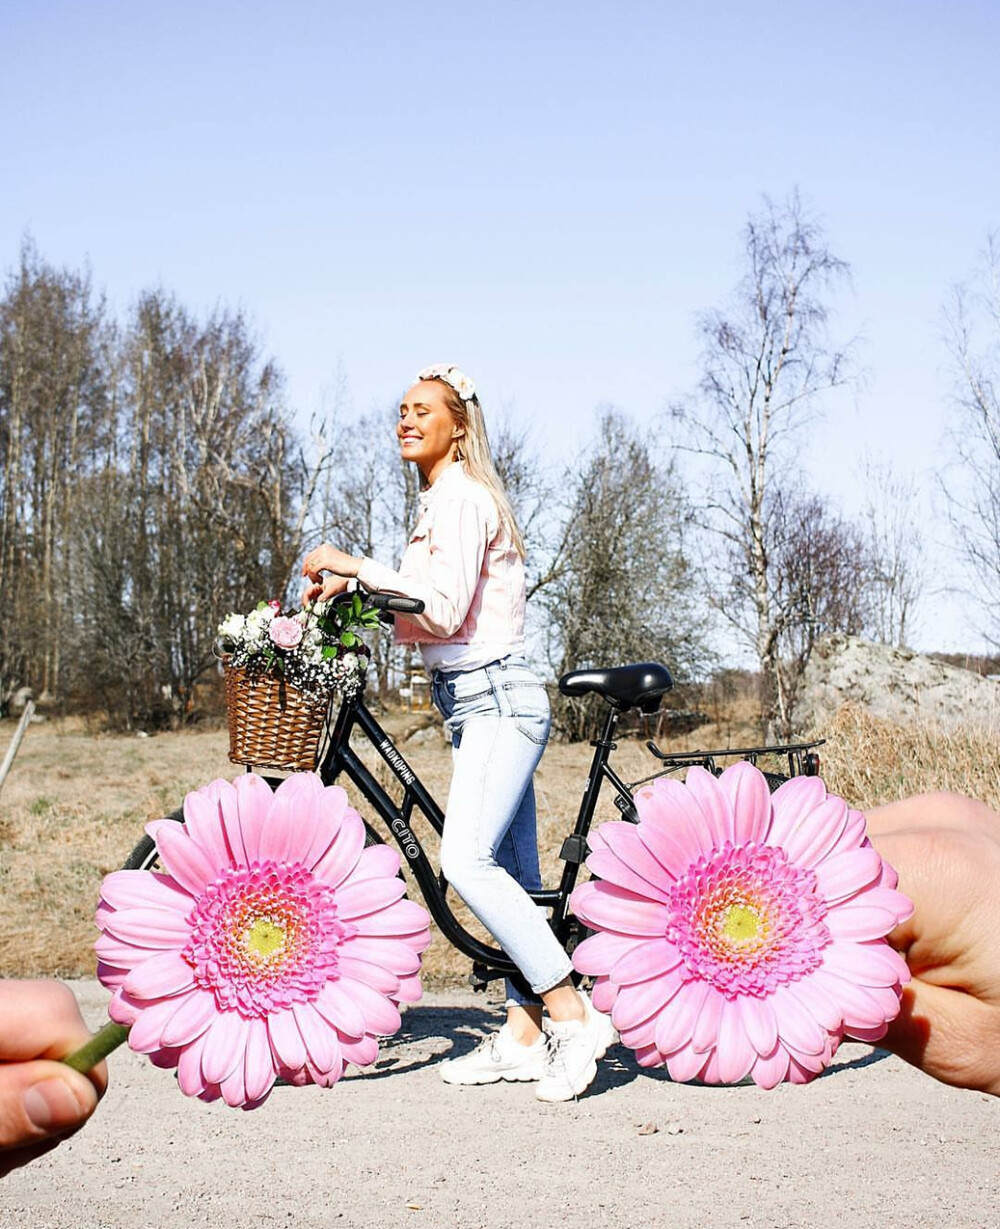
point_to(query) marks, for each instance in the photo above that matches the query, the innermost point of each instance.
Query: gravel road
(873, 1143)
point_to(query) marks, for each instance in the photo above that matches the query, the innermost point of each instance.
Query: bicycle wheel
(144, 857)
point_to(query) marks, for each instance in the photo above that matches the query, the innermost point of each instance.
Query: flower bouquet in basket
(282, 669)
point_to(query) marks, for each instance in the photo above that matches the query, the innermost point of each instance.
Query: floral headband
(458, 380)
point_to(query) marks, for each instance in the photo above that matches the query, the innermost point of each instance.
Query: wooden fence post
(15, 742)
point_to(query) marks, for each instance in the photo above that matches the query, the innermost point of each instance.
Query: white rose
(258, 620)
(233, 626)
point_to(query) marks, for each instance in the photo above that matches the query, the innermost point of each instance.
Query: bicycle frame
(489, 962)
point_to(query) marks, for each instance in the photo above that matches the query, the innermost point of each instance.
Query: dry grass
(75, 803)
(871, 761)
(71, 810)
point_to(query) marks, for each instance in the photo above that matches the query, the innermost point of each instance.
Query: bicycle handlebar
(384, 601)
(392, 601)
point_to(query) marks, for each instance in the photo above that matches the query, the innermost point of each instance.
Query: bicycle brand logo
(396, 762)
(407, 841)
(406, 838)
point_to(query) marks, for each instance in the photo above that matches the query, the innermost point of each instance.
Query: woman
(465, 562)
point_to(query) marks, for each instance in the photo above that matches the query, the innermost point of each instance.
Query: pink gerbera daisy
(741, 933)
(274, 945)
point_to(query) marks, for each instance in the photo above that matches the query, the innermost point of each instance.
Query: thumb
(949, 1034)
(40, 1099)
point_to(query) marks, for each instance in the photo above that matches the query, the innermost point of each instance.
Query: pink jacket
(463, 565)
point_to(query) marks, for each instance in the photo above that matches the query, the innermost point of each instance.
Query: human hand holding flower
(947, 851)
(42, 1102)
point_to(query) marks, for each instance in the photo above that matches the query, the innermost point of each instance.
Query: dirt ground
(872, 1143)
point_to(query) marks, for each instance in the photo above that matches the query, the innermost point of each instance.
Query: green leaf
(328, 652)
(348, 640)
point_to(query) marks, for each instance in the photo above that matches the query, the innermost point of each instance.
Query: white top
(463, 565)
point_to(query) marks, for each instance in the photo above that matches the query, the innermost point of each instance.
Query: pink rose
(286, 633)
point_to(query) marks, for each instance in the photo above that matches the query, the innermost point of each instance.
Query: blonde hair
(474, 450)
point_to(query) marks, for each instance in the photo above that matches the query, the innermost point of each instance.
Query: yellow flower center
(741, 924)
(734, 924)
(263, 939)
(747, 920)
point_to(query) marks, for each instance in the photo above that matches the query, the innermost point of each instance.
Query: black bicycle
(623, 689)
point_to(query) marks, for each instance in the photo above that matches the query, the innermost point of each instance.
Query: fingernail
(52, 1105)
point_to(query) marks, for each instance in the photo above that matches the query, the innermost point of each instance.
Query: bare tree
(972, 482)
(765, 367)
(625, 590)
(53, 398)
(821, 582)
(192, 507)
(150, 481)
(896, 549)
(367, 503)
(820, 570)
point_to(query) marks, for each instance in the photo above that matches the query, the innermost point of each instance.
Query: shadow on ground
(431, 1034)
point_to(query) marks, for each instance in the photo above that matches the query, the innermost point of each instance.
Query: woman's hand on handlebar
(341, 567)
(324, 589)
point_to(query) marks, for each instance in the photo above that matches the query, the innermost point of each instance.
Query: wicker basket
(271, 723)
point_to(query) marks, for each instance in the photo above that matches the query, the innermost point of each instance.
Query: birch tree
(972, 482)
(197, 507)
(624, 590)
(53, 399)
(896, 548)
(766, 365)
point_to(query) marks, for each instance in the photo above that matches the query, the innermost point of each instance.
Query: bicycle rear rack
(802, 758)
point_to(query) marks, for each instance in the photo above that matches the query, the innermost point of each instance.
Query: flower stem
(99, 1046)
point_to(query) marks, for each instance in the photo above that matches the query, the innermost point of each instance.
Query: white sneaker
(497, 1057)
(572, 1054)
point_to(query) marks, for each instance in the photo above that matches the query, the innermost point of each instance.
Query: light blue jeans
(498, 717)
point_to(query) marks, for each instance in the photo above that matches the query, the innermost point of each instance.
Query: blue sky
(545, 193)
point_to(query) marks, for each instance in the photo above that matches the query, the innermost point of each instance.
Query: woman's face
(426, 429)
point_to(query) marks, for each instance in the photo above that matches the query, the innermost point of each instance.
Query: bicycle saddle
(640, 685)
